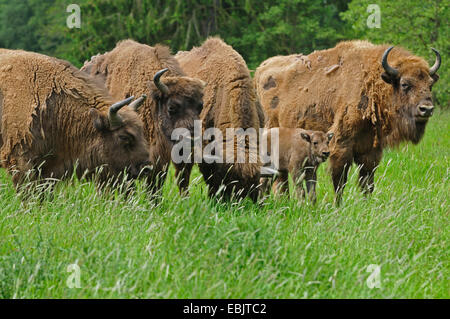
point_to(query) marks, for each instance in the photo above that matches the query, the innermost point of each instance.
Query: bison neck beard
(91, 164)
(405, 128)
(163, 140)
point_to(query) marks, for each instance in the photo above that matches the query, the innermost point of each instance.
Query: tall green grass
(130, 246)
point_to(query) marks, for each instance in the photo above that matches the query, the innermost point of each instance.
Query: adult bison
(229, 102)
(175, 100)
(56, 119)
(370, 96)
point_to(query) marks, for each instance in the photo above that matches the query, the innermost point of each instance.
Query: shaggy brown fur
(344, 90)
(229, 102)
(129, 70)
(300, 154)
(53, 114)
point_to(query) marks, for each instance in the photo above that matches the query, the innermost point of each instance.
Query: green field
(133, 247)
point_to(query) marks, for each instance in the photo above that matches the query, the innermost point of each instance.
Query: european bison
(229, 102)
(175, 100)
(55, 118)
(352, 90)
(300, 154)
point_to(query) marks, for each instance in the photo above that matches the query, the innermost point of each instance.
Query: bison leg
(215, 178)
(183, 174)
(155, 180)
(253, 194)
(340, 164)
(20, 169)
(265, 184)
(281, 184)
(311, 181)
(368, 164)
(30, 180)
(298, 176)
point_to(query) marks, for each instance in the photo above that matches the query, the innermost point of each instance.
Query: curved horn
(161, 86)
(114, 118)
(437, 63)
(137, 103)
(389, 70)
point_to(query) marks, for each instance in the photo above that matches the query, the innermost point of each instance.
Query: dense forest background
(257, 29)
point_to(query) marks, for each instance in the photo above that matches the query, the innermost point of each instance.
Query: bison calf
(57, 119)
(300, 154)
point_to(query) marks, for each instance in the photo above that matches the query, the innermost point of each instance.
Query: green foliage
(414, 24)
(258, 29)
(266, 28)
(19, 24)
(34, 25)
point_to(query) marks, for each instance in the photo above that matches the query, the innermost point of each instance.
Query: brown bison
(229, 102)
(175, 100)
(55, 118)
(370, 96)
(300, 152)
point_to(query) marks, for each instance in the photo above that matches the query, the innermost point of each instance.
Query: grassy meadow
(194, 247)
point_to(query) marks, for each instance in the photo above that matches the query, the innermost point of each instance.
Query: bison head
(319, 145)
(412, 80)
(121, 143)
(179, 101)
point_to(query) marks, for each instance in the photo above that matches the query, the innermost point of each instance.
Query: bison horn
(437, 63)
(137, 103)
(161, 86)
(389, 70)
(114, 118)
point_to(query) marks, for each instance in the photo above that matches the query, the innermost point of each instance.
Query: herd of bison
(115, 116)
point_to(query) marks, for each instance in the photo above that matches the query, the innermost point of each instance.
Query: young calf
(300, 153)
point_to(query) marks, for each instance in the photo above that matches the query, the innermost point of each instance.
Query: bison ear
(100, 121)
(306, 137)
(435, 77)
(387, 78)
(154, 92)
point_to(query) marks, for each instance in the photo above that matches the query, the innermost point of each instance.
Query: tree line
(257, 29)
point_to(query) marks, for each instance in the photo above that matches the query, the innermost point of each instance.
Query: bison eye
(127, 139)
(406, 86)
(173, 109)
